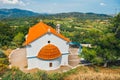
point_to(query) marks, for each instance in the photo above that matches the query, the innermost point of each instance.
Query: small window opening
(50, 64)
(48, 41)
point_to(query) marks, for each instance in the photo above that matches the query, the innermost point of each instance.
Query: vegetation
(3, 63)
(94, 73)
(106, 48)
(16, 74)
(79, 73)
(101, 31)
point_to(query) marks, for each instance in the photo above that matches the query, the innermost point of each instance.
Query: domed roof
(49, 52)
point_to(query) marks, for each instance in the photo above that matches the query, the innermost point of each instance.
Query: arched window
(50, 64)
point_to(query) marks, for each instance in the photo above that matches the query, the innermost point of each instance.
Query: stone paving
(18, 58)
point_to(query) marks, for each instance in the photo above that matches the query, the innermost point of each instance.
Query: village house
(46, 48)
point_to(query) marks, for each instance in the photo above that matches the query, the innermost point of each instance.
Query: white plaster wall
(64, 59)
(36, 45)
(32, 63)
(44, 64)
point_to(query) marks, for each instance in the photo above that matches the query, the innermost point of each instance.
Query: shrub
(16, 74)
(4, 61)
(2, 55)
(3, 69)
(72, 71)
(55, 76)
(40, 75)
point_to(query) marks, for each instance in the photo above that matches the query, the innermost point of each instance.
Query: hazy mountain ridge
(82, 15)
(18, 13)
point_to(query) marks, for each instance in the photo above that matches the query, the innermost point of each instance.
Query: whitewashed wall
(44, 64)
(64, 59)
(36, 45)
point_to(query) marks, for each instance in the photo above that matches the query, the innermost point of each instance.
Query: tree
(118, 33)
(116, 25)
(18, 39)
(109, 48)
(106, 51)
(91, 55)
(110, 43)
(6, 34)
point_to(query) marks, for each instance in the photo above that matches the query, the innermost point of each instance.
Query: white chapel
(46, 48)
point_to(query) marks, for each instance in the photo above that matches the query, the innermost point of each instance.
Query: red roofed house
(46, 48)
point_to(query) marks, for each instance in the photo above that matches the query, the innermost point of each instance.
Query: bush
(3, 58)
(4, 61)
(2, 55)
(40, 75)
(55, 76)
(3, 69)
(72, 71)
(16, 74)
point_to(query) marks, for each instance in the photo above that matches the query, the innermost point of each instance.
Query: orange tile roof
(40, 29)
(49, 52)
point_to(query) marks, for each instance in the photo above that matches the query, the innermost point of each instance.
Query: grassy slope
(95, 73)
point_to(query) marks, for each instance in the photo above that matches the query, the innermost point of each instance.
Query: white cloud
(10, 1)
(13, 2)
(102, 4)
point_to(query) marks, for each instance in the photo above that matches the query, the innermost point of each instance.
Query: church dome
(49, 52)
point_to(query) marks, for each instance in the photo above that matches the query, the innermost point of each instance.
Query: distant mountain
(16, 13)
(82, 15)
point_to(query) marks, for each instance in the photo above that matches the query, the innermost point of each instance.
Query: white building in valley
(46, 48)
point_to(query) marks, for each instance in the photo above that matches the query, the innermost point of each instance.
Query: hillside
(18, 13)
(80, 15)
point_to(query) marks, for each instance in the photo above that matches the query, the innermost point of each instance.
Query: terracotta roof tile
(49, 52)
(40, 29)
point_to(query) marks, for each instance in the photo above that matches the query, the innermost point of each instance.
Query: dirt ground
(18, 58)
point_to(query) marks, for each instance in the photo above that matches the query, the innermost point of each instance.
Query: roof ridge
(43, 26)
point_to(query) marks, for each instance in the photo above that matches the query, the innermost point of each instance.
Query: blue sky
(58, 6)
